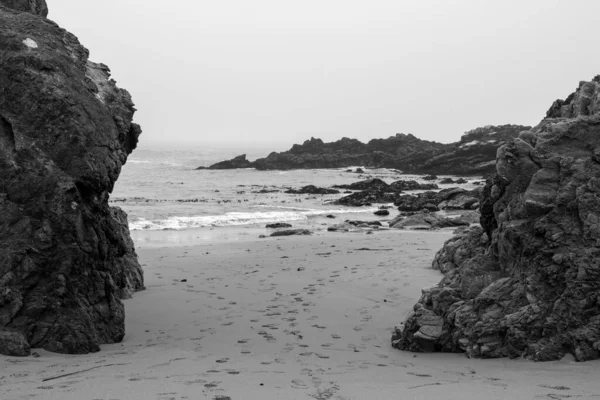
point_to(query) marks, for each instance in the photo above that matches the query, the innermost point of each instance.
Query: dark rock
(65, 132)
(36, 7)
(366, 198)
(264, 191)
(359, 171)
(382, 212)
(430, 177)
(461, 181)
(399, 186)
(526, 282)
(367, 223)
(447, 181)
(474, 154)
(368, 184)
(14, 344)
(236, 162)
(278, 225)
(427, 220)
(290, 232)
(330, 216)
(311, 189)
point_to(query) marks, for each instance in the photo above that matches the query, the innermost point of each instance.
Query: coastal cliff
(473, 154)
(65, 131)
(527, 281)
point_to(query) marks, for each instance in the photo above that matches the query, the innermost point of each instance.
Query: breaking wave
(236, 219)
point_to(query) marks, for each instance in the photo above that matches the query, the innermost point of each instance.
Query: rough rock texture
(527, 282)
(473, 154)
(446, 199)
(65, 132)
(291, 232)
(427, 220)
(236, 162)
(37, 7)
(312, 189)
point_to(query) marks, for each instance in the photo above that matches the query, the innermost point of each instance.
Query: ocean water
(168, 200)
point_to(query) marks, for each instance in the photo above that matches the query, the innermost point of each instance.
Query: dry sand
(285, 318)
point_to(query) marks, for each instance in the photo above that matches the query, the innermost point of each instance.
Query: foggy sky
(272, 73)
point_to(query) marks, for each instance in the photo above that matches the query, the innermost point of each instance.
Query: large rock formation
(527, 282)
(473, 154)
(66, 257)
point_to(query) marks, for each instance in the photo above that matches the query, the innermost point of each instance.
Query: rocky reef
(526, 283)
(473, 154)
(65, 131)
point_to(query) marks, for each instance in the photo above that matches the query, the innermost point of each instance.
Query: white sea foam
(236, 218)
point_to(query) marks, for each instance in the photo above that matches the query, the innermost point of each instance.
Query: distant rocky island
(474, 154)
(526, 281)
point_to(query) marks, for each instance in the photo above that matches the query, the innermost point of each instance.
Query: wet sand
(284, 318)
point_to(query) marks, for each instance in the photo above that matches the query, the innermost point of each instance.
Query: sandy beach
(284, 318)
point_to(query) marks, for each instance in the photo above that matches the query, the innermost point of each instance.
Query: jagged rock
(527, 282)
(366, 198)
(343, 227)
(426, 220)
(65, 132)
(290, 232)
(278, 225)
(37, 7)
(364, 223)
(368, 184)
(473, 154)
(451, 199)
(430, 177)
(14, 344)
(447, 181)
(401, 185)
(311, 189)
(236, 162)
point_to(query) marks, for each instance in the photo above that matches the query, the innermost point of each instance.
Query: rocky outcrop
(446, 199)
(65, 131)
(37, 7)
(291, 232)
(312, 189)
(527, 282)
(473, 154)
(431, 220)
(236, 162)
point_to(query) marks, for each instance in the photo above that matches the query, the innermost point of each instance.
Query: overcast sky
(276, 72)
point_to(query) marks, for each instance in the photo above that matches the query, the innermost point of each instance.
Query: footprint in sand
(335, 336)
(299, 384)
(318, 326)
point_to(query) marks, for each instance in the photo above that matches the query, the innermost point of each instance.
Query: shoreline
(305, 316)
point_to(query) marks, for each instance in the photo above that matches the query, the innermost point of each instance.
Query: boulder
(366, 198)
(311, 189)
(526, 282)
(426, 220)
(399, 186)
(278, 225)
(290, 232)
(36, 7)
(65, 131)
(368, 184)
(382, 213)
(430, 177)
(236, 162)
